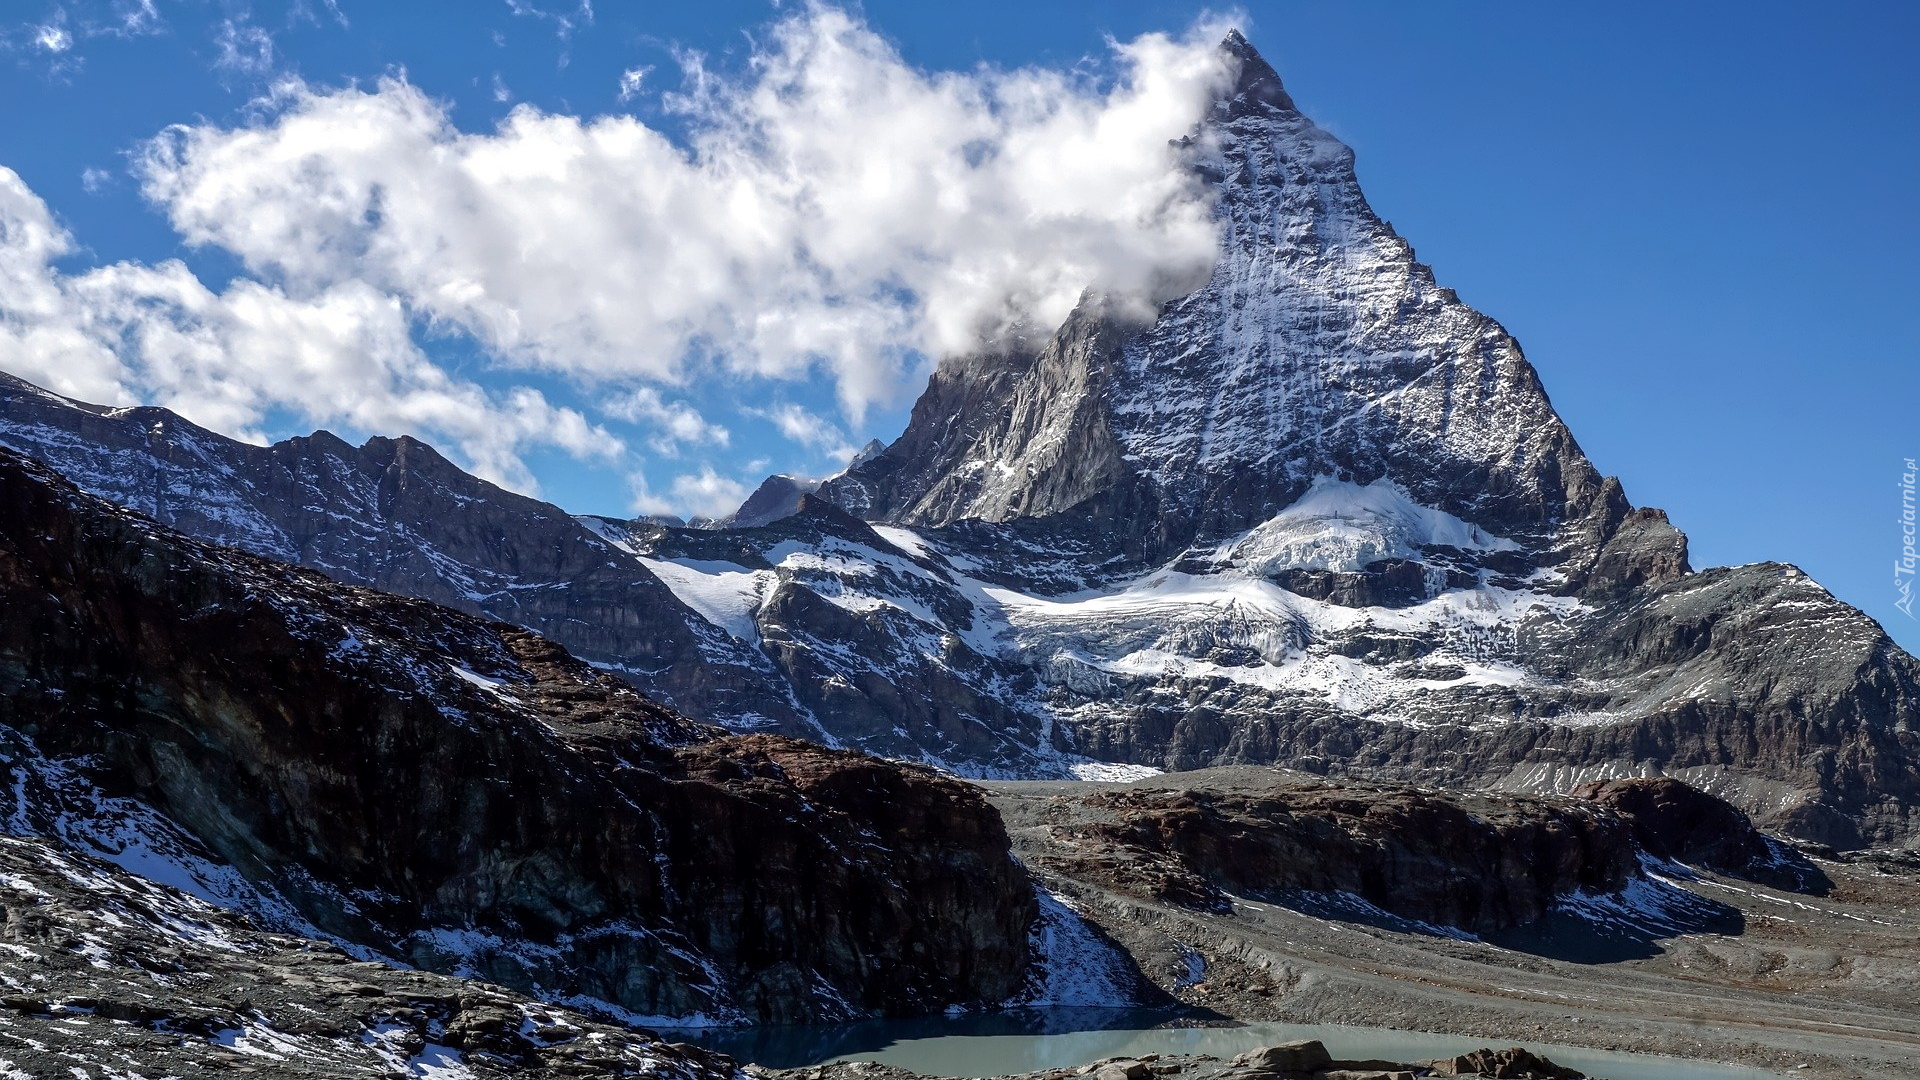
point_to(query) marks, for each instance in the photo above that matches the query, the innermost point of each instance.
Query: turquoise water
(1004, 1043)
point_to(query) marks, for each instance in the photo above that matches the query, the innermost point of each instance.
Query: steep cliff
(467, 797)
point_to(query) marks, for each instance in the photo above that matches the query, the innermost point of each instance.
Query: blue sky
(1698, 219)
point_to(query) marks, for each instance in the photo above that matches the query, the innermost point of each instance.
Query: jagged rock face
(1479, 863)
(395, 515)
(777, 496)
(106, 968)
(467, 796)
(1318, 348)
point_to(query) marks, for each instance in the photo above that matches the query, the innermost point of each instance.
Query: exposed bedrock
(466, 795)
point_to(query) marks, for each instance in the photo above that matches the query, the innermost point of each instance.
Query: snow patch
(491, 686)
(1339, 525)
(723, 593)
(905, 539)
(1075, 965)
(1113, 772)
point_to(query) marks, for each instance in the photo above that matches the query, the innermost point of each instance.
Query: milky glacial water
(1017, 1042)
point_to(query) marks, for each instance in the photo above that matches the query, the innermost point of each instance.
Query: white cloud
(829, 209)
(301, 10)
(127, 333)
(564, 22)
(674, 423)
(631, 81)
(810, 430)
(244, 49)
(836, 209)
(52, 37)
(703, 494)
(132, 18)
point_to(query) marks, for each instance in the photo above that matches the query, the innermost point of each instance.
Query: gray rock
(1306, 1056)
(1122, 1069)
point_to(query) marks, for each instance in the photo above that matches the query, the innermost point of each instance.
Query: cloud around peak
(823, 211)
(829, 206)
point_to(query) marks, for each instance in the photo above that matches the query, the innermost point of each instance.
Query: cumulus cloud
(825, 211)
(810, 430)
(129, 333)
(703, 494)
(831, 208)
(674, 423)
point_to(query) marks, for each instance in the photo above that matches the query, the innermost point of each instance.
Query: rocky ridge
(1425, 861)
(465, 796)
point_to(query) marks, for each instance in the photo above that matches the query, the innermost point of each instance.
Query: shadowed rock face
(778, 496)
(1671, 820)
(395, 515)
(1479, 863)
(465, 795)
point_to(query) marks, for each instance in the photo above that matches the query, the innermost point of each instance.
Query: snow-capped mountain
(1317, 513)
(1319, 348)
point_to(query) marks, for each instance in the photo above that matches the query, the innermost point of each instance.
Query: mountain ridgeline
(1317, 513)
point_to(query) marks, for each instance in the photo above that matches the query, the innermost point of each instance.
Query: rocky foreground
(110, 974)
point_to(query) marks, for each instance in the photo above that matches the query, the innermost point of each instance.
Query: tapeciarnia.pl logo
(1903, 567)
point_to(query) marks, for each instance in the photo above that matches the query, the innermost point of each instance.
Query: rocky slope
(106, 970)
(465, 796)
(1317, 513)
(1435, 862)
(1310, 901)
(395, 515)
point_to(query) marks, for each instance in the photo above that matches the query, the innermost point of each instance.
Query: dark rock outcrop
(1481, 863)
(1671, 820)
(1674, 821)
(1513, 1063)
(467, 796)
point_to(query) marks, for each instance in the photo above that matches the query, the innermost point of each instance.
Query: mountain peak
(1256, 82)
(1319, 347)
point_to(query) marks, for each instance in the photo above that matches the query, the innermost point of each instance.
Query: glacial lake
(1018, 1042)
